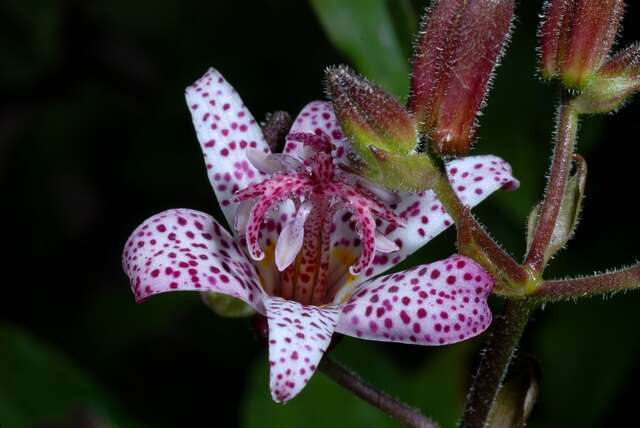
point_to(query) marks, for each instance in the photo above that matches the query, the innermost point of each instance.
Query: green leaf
(436, 387)
(38, 386)
(363, 30)
(589, 364)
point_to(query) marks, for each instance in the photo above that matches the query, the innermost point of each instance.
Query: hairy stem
(566, 132)
(555, 290)
(508, 328)
(506, 333)
(409, 416)
(493, 256)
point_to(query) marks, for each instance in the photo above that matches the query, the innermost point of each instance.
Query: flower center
(318, 190)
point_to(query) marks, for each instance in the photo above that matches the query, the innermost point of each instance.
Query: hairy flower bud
(460, 44)
(382, 134)
(576, 37)
(369, 113)
(616, 81)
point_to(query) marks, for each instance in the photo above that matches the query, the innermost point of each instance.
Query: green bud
(382, 134)
(614, 84)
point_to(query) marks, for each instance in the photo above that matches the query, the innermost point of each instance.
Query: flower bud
(382, 134)
(576, 37)
(616, 81)
(369, 113)
(460, 44)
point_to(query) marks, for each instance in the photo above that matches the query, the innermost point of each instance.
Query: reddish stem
(566, 132)
(477, 236)
(408, 416)
(562, 289)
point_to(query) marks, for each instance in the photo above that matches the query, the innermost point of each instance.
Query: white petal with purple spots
(474, 178)
(298, 337)
(435, 304)
(225, 129)
(187, 250)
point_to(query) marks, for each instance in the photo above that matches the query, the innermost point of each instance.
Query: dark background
(95, 137)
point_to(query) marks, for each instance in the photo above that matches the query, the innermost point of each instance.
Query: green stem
(506, 333)
(408, 416)
(566, 133)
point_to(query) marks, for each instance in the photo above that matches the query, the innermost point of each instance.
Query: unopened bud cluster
(458, 48)
(576, 41)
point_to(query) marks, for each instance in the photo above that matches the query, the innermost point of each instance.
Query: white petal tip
(282, 264)
(385, 245)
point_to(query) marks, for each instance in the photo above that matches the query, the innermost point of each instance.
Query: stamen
(384, 244)
(291, 238)
(270, 192)
(288, 162)
(262, 161)
(303, 248)
(242, 216)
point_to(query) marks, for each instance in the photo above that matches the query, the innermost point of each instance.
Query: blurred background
(95, 138)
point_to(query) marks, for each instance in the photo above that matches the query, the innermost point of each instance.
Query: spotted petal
(435, 304)
(298, 337)
(225, 129)
(474, 178)
(183, 249)
(317, 117)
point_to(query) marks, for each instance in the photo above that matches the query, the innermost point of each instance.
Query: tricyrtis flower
(309, 240)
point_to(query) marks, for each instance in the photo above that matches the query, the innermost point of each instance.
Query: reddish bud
(576, 37)
(460, 44)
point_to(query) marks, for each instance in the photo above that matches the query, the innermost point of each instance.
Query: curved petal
(225, 128)
(474, 178)
(181, 249)
(315, 118)
(435, 304)
(298, 337)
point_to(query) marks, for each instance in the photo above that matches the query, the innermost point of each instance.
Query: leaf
(587, 382)
(435, 387)
(569, 211)
(38, 386)
(363, 30)
(517, 396)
